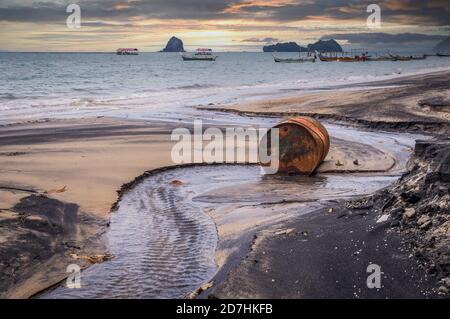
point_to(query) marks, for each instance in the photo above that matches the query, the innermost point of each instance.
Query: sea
(37, 86)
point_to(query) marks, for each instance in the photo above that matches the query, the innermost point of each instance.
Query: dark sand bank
(405, 229)
(40, 237)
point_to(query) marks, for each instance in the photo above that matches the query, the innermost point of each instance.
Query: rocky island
(321, 46)
(174, 45)
(325, 46)
(284, 47)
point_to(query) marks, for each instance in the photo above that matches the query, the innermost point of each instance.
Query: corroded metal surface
(304, 144)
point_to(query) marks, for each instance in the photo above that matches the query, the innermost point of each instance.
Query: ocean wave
(193, 87)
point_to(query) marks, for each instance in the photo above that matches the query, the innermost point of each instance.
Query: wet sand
(76, 167)
(90, 160)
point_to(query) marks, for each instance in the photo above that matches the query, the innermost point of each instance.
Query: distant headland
(321, 46)
(443, 47)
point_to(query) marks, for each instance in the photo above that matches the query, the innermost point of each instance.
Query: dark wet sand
(326, 255)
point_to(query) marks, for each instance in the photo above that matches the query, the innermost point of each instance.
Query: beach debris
(443, 230)
(11, 154)
(176, 183)
(303, 145)
(338, 163)
(330, 210)
(446, 281)
(424, 219)
(284, 232)
(94, 259)
(356, 162)
(443, 290)
(426, 225)
(383, 219)
(200, 289)
(56, 191)
(409, 212)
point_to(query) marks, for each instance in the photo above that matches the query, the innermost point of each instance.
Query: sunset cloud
(149, 23)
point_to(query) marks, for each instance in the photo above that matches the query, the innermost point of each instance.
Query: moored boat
(127, 51)
(293, 60)
(419, 57)
(344, 59)
(443, 54)
(401, 58)
(379, 58)
(201, 54)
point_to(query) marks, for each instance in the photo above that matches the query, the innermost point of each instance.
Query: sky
(224, 25)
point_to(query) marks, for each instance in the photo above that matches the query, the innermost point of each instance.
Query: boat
(127, 51)
(419, 57)
(379, 58)
(201, 54)
(343, 59)
(327, 59)
(443, 54)
(353, 56)
(401, 58)
(293, 60)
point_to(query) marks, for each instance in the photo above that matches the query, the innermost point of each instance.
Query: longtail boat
(293, 60)
(419, 57)
(401, 58)
(379, 58)
(343, 59)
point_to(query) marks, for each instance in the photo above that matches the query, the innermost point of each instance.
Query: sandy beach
(60, 178)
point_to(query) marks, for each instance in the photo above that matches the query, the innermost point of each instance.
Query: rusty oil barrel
(304, 144)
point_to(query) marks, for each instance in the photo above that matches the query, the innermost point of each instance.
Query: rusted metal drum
(304, 144)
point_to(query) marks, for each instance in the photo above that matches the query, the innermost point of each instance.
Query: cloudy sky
(225, 25)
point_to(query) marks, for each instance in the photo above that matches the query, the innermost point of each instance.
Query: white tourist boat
(201, 54)
(127, 51)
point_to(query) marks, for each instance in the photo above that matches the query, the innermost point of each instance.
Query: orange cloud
(239, 6)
